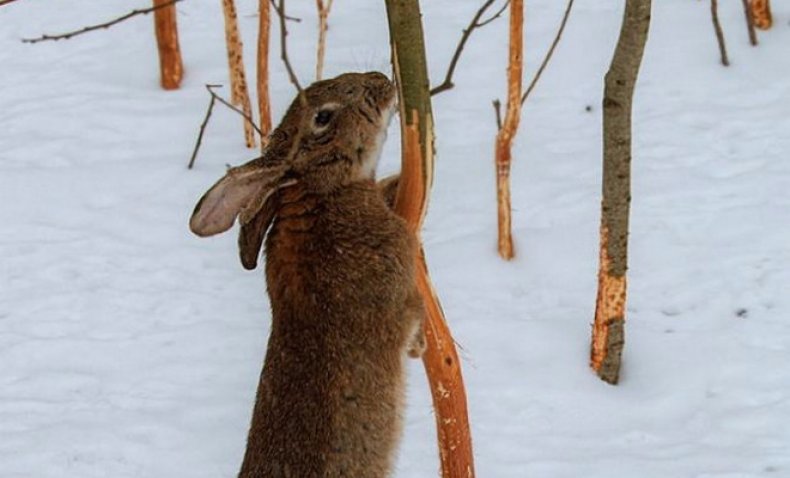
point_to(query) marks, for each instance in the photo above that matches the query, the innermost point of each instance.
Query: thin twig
(289, 18)
(5, 2)
(67, 35)
(214, 99)
(549, 53)
(498, 111)
(202, 130)
(747, 11)
(467, 32)
(494, 16)
(280, 9)
(225, 102)
(714, 11)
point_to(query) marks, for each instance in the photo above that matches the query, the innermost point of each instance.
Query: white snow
(131, 348)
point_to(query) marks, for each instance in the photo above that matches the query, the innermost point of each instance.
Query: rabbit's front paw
(416, 346)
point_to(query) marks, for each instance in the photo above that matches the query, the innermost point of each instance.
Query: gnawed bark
(238, 83)
(441, 358)
(507, 133)
(323, 14)
(761, 13)
(171, 68)
(264, 102)
(608, 329)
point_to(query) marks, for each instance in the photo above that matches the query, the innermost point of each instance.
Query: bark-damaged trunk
(608, 328)
(441, 358)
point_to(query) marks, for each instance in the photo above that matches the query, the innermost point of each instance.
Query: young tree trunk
(264, 102)
(714, 14)
(761, 13)
(747, 11)
(171, 69)
(608, 328)
(323, 13)
(504, 138)
(441, 358)
(238, 84)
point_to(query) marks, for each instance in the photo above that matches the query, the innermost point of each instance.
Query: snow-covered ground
(130, 348)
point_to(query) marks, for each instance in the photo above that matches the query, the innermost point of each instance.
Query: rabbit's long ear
(252, 232)
(242, 191)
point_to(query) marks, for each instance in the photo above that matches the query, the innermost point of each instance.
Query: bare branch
(280, 9)
(225, 102)
(494, 16)
(202, 130)
(214, 99)
(289, 18)
(467, 32)
(67, 35)
(548, 53)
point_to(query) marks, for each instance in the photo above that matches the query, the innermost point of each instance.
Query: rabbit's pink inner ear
(243, 190)
(217, 209)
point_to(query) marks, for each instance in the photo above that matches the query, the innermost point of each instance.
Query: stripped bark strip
(238, 84)
(440, 359)
(761, 13)
(171, 68)
(747, 12)
(714, 13)
(411, 200)
(264, 101)
(504, 138)
(608, 328)
(323, 13)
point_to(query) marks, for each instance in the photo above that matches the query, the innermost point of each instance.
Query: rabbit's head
(331, 136)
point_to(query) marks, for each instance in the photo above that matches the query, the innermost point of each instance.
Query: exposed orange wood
(171, 68)
(761, 13)
(608, 328)
(504, 139)
(323, 14)
(440, 358)
(264, 102)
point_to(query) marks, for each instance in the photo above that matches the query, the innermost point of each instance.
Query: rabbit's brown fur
(340, 275)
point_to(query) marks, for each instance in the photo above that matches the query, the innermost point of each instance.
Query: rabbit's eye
(323, 117)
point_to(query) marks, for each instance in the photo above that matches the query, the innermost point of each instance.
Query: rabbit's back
(339, 271)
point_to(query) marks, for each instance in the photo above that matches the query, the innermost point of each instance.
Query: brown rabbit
(340, 275)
